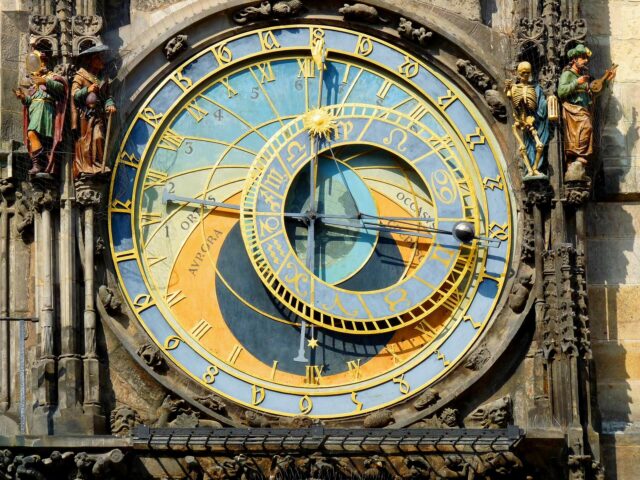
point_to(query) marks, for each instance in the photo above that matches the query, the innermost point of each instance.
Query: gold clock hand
(172, 198)
(462, 231)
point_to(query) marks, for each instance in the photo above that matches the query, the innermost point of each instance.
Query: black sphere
(464, 232)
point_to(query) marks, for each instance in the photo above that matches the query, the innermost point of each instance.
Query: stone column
(89, 196)
(6, 189)
(44, 372)
(70, 362)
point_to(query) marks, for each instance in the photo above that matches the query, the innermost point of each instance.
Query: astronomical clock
(311, 220)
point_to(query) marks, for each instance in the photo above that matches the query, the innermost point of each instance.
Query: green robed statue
(577, 94)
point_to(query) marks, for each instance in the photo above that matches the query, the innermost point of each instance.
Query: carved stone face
(498, 416)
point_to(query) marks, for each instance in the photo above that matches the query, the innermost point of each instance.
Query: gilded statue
(577, 94)
(91, 108)
(44, 103)
(530, 120)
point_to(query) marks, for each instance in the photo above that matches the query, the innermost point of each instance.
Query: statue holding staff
(91, 109)
(44, 105)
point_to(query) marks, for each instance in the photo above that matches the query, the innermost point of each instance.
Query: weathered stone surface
(613, 312)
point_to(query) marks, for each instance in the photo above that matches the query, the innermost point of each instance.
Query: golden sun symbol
(320, 123)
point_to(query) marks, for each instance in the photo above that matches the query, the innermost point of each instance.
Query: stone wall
(613, 245)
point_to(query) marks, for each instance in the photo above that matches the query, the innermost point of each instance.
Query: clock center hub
(340, 195)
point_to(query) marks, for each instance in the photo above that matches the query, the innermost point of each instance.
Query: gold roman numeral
(313, 374)
(149, 218)
(384, 89)
(200, 329)
(155, 178)
(196, 111)
(171, 140)
(235, 353)
(354, 368)
(265, 70)
(307, 68)
(231, 92)
(173, 298)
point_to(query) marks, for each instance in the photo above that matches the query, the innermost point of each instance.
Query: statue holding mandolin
(577, 94)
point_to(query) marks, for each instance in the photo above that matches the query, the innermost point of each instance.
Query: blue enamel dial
(281, 219)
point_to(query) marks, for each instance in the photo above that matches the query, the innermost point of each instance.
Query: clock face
(309, 220)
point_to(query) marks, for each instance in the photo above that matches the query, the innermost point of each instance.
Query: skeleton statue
(530, 119)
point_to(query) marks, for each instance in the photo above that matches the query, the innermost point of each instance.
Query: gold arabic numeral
(364, 46)
(317, 35)
(200, 329)
(297, 152)
(475, 138)
(142, 302)
(149, 115)
(391, 350)
(492, 183)
(268, 41)
(275, 180)
(403, 385)
(498, 231)
(445, 100)
(231, 92)
(395, 298)
(307, 68)
(354, 368)
(389, 139)
(443, 255)
(358, 403)
(427, 332)
(171, 140)
(172, 298)
(443, 186)
(209, 376)
(306, 405)
(222, 54)
(125, 255)
(268, 226)
(155, 178)
(149, 218)
(153, 260)
(172, 342)
(235, 353)
(440, 356)
(121, 207)
(257, 395)
(410, 68)
(313, 373)
(274, 369)
(475, 325)
(185, 83)
(343, 130)
(384, 89)
(196, 111)
(266, 72)
(271, 200)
